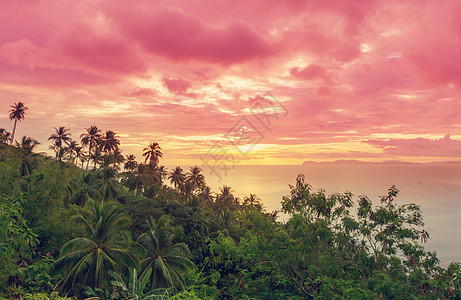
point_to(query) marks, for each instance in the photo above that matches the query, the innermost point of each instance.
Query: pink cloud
(177, 86)
(444, 147)
(310, 72)
(179, 36)
(143, 93)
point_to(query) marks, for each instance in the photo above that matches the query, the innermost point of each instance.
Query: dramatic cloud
(370, 80)
(309, 72)
(179, 36)
(445, 147)
(177, 86)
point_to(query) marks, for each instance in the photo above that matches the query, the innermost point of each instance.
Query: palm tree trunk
(14, 130)
(89, 155)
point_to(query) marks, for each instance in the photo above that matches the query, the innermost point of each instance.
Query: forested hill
(119, 229)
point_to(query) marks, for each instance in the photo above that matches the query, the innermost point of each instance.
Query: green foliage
(106, 247)
(37, 276)
(166, 261)
(17, 241)
(191, 244)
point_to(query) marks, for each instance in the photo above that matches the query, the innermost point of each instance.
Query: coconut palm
(167, 260)
(153, 153)
(130, 163)
(71, 149)
(225, 199)
(188, 189)
(96, 157)
(60, 137)
(134, 181)
(84, 188)
(17, 112)
(61, 153)
(177, 178)
(140, 179)
(253, 200)
(80, 155)
(87, 260)
(195, 177)
(27, 146)
(118, 157)
(109, 141)
(109, 183)
(206, 194)
(91, 139)
(162, 173)
(225, 223)
(4, 136)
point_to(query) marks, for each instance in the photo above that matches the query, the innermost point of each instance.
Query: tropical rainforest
(91, 223)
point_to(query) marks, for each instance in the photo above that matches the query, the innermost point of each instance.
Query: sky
(240, 82)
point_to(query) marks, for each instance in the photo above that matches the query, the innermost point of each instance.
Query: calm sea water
(436, 187)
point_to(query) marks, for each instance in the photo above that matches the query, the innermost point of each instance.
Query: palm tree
(254, 201)
(188, 190)
(109, 141)
(61, 153)
(87, 260)
(118, 157)
(162, 173)
(167, 260)
(91, 139)
(17, 112)
(130, 162)
(4, 136)
(84, 188)
(177, 178)
(225, 223)
(195, 177)
(80, 155)
(72, 149)
(225, 199)
(60, 137)
(153, 153)
(96, 157)
(110, 185)
(140, 179)
(206, 194)
(134, 181)
(27, 146)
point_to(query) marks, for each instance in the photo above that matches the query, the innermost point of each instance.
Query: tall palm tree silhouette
(177, 178)
(196, 178)
(91, 138)
(27, 146)
(130, 162)
(17, 112)
(72, 149)
(80, 155)
(60, 137)
(153, 153)
(225, 199)
(109, 141)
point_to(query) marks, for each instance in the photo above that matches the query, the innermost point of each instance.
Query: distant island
(386, 162)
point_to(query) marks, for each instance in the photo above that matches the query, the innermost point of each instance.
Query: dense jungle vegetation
(92, 223)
